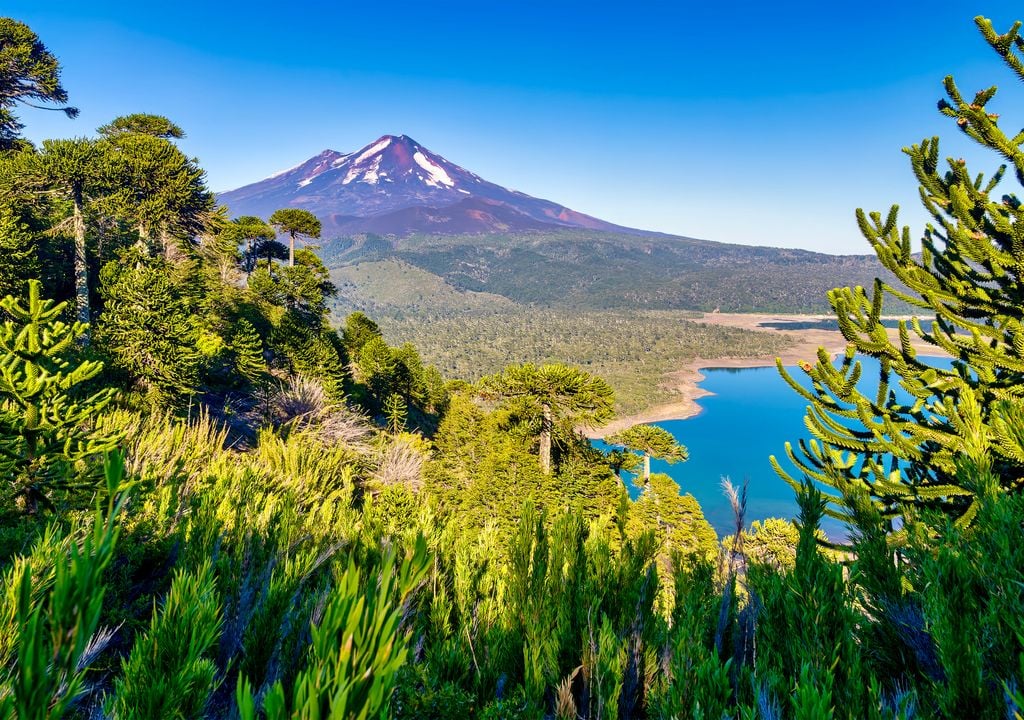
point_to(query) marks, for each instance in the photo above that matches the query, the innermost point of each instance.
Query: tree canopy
(156, 126)
(650, 441)
(555, 395)
(295, 223)
(29, 74)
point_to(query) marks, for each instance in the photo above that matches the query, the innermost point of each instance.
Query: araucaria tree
(72, 169)
(650, 441)
(968, 287)
(555, 395)
(29, 74)
(44, 429)
(295, 223)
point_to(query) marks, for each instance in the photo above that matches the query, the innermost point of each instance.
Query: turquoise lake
(750, 416)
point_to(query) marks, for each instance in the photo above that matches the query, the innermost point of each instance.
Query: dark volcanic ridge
(395, 186)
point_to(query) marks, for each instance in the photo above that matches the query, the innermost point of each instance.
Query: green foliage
(45, 432)
(295, 222)
(356, 650)
(150, 327)
(770, 542)
(257, 236)
(650, 441)
(153, 125)
(18, 247)
(396, 412)
(567, 270)
(248, 352)
(677, 519)
(284, 556)
(169, 672)
(30, 73)
(75, 169)
(358, 331)
(158, 190)
(57, 617)
(977, 627)
(552, 395)
(806, 613)
(695, 683)
(966, 297)
(632, 350)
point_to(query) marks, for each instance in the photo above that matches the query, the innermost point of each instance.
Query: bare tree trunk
(143, 243)
(291, 250)
(81, 268)
(545, 439)
(647, 469)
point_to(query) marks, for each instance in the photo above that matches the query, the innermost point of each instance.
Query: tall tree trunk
(291, 250)
(545, 439)
(647, 469)
(143, 243)
(165, 243)
(81, 267)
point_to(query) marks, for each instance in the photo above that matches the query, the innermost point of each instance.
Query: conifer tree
(74, 169)
(256, 235)
(967, 285)
(18, 250)
(248, 351)
(396, 412)
(650, 441)
(29, 74)
(156, 126)
(358, 331)
(295, 223)
(44, 429)
(160, 191)
(556, 395)
(150, 325)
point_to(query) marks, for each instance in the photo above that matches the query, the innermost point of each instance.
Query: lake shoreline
(685, 382)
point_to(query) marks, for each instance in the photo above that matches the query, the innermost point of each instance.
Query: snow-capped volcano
(394, 185)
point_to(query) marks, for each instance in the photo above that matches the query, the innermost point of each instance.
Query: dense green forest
(633, 351)
(577, 270)
(218, 503)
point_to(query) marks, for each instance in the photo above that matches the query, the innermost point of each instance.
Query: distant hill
(407, 231)
(586, 270)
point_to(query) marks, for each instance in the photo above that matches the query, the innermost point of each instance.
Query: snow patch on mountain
(373, 150)
(437, 174)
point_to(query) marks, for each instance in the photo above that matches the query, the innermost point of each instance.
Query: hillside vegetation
(215, 504)
(632, 351)
(583, 270)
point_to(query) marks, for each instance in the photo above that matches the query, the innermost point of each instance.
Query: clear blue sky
(758, 123)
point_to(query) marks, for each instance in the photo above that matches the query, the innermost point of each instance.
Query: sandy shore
(685, 382)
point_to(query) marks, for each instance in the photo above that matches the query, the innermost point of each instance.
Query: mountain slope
(586, 270)
(421, 221)
(395, 186)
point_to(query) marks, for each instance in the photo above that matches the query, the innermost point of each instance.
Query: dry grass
(401, 464)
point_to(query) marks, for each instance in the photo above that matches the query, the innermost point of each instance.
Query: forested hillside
(632, 350)
(590, 270)
(218, 504)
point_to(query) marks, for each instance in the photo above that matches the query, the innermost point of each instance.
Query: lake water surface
(751, 415)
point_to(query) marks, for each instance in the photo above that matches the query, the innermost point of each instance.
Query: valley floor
(685, 382)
